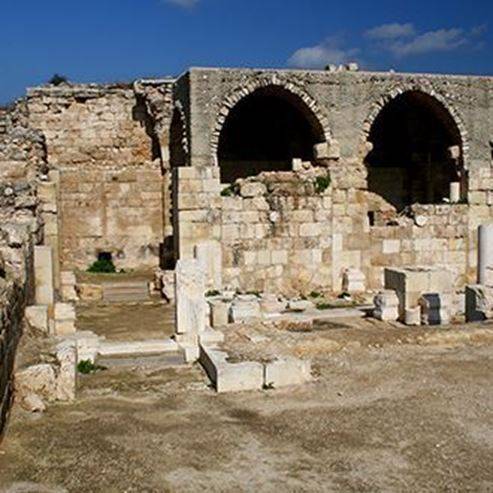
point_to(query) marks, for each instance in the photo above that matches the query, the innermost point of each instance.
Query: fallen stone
(287, 371)
(37, 317)
(37, 379)
(32, 403)
(300, 305)
(90, 292)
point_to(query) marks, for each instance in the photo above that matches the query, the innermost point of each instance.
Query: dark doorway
(411, 161)
(264, 132)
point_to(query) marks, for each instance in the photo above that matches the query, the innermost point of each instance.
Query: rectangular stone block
(435, 309)
(219, 313)
(37, 317)
(245, 309)
(189, 296)
(43, 275)
(478, 308)
(209, 256)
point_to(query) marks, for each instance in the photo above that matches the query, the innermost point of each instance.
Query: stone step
(126, 348)
(175, 358)
(126, 291)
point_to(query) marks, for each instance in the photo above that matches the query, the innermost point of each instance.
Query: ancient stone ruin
(246, 181)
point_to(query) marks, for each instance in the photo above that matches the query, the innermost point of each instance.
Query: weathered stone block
(386, 306)
(478, 307)
(245, 308)
(353, 281)
(252, 189)
(37, 317)
(219, 313)
(189, 295)
(209, 256)
(435, 309)
(413, 316)
(287, 371)
(43, 275)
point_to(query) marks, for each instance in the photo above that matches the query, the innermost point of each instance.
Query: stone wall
(107, 143)
(22, 157)
(359, 229)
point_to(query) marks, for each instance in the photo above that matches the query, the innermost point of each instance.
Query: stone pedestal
(435, 309)
(477, 305)
(413, 317)
(353, 281)
(410, 283)
(386, 306)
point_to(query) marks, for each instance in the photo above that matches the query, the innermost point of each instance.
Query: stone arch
(317, 116)
(178, 138)
(415, 148)
(424, 88)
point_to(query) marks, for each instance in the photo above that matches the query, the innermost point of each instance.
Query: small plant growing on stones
(58, 80)
(228, 191)
(315, 294)
(102, 266)
(322, 183)
(86, 367)
(212, 292)
(323, 305)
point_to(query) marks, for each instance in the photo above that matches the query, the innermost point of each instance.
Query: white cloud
(321, 55)
(431, 41)
(187, 4)
(391, 31)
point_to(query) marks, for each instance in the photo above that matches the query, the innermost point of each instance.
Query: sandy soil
(380, 416)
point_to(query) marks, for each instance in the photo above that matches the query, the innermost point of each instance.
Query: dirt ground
(127, 322)
(381, 415)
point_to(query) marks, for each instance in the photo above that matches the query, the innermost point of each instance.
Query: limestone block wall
(106, 142)
(275, 230)
(279, 234)
(117, 210)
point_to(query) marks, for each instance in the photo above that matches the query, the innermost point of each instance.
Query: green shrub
(322, 183)
(87, 367)
(315, 294)
(102, 266)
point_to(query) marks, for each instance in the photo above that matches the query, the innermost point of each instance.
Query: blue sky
(120, 40)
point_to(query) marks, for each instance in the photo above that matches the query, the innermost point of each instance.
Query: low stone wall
(22, 157)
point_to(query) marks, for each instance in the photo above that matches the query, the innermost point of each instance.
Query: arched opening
(417, 151)
(264, 132)
(177, 150)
